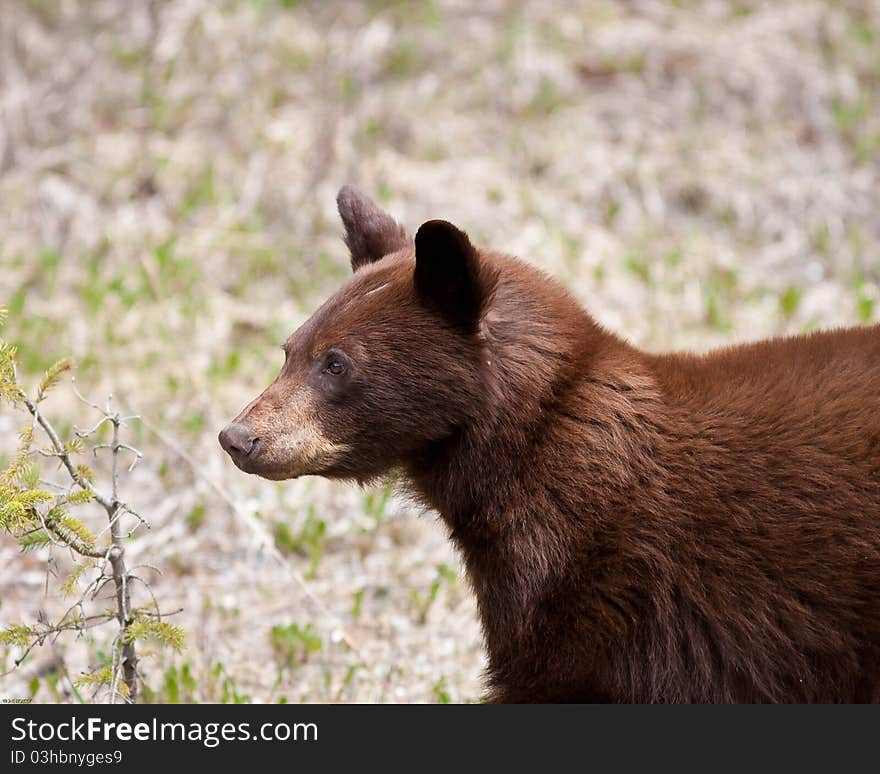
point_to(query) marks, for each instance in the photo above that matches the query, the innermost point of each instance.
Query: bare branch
(149, 591)
(63, 455)
(89, 622)
(82, 398)
(92, 430)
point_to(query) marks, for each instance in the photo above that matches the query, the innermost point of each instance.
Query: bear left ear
(447, 273)
(370, 232)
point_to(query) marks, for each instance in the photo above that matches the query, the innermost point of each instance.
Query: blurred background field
(698, 173)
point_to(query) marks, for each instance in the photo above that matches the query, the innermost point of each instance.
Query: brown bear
(636, 527)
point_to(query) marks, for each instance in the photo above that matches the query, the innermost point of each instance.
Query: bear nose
(237, 440)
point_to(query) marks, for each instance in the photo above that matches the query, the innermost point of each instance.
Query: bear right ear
(447, 274)
(370, 232)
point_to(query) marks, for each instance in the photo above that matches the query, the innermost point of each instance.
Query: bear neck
(516, 484)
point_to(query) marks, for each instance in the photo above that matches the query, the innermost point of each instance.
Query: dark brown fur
(636, 527)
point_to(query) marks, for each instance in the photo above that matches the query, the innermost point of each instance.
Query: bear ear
(370, 232)
(447, 273)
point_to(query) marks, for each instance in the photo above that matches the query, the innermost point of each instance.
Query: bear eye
(335, 365)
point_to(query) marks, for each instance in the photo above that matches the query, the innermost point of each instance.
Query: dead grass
(697, 172)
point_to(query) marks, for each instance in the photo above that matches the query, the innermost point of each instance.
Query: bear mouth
(322, 466)
(254, 467)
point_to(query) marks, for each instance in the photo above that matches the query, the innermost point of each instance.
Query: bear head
(388, 366)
